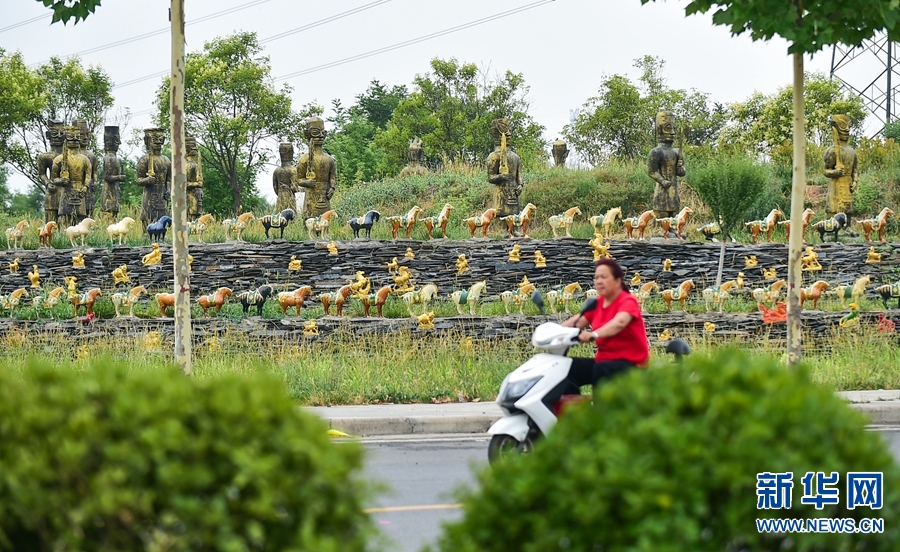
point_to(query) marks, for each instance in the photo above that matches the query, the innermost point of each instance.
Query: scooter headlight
(515, 390)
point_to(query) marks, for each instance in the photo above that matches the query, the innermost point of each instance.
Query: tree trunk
(236, 192)
(179, 196)
(795, 244)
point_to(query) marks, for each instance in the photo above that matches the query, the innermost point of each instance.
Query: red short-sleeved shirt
(631, 343)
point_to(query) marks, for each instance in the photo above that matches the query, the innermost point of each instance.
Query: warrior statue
(841, 169)
(71, 175)
(154, 173)
(194, 179)
(56, 136)
(283, 179)
(504, 171)
(665, 165)
(85, 141)
(317, 176)
(415, 154)
(113, 175)
(560, 152)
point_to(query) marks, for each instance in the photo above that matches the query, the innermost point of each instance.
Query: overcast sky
(563, 47)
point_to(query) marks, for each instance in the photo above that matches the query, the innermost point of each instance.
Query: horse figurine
(120, 230)
(878, 223)
(88, 298)
(567, 294)
(677, 223)
(16, 235)
(469, 296)
(888, 292)
(715, 296)
(768, 224)
(804, 217)
(364, 222)
(643, 292)
(280, 221)
(439, 221)
(215, 299)
(199, 226)
(14, 298)
(80, 230)
(518, 297)
(318, 226)
(520, 220)
(164, 300)
(157, 230)
(423, 297)
(854, 292)
(564, 221)
(238, 224)
(605, 222)
(338, 298)
(405, 221)
(128, 300)
(255, 297)
(679, 294)
(296, 298)
(638, 223)
(768, 294)
(45, 233)
(482, 221)
(814, 292)
(379, 298)
(832, 225)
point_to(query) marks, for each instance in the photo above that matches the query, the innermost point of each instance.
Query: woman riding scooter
(618, 330)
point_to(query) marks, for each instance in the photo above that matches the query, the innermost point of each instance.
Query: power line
(414, 40)
(22, 23)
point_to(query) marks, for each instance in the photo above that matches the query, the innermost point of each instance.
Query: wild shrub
(730, 185)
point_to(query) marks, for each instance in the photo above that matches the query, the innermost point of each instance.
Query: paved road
(422, 472)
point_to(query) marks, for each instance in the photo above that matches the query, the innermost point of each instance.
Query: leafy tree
(58, 89)
(233, 109)
(63, 11)
(378, 102)
(619, 121)
(892, 131)
(809, 27)
(730, 185)
(4, 187)
(451, 109)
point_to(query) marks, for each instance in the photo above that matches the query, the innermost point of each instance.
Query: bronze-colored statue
(560, 152)
(665, 165)
(504, 171)
(85, 141)
(841, 169)
(154, 173)
(113, 175)
(318, 176)
(415, 154)
(194, 179)
(56, 135)
(71, 175)
(283, 179)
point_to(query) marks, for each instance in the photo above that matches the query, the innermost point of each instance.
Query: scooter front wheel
(506, 445)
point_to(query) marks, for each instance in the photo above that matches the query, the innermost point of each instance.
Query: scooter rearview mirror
(589, 305)
(538, 300)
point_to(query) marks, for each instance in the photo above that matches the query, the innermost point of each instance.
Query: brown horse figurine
(339, 297)
(216, 299)
(638, 223)
(807, 214)
(439, 221)
(87, 299)
(164, 300)
(482, 221)
(45, 233)
(296, 298)
(677, 223)
(878, 223)
(520, 220)
(679, 294)
(379, 298)
(405, 221)
(814, 292)
(767, 224)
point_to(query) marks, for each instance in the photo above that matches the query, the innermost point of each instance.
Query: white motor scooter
(532, 396)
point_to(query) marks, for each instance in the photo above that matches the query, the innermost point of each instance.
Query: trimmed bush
(666, 460)
(113, 461)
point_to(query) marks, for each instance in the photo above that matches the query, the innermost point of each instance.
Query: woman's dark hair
(616, 269)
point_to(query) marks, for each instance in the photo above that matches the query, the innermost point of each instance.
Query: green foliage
(451, 110)
(729, 185)
(112, 460)
(232, 108)
(620, 121)
(892, 131)
(79, 9)
(666, 460)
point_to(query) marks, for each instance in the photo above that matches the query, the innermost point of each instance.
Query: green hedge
(666, 460)
(111, 461)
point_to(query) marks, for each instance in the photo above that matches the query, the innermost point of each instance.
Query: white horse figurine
(605, 222)
(567, 294)
(423, 296)
(120, 230)
(128, 300)
(16, 235)
(80, 230)
(563, 221)
(469, 296)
